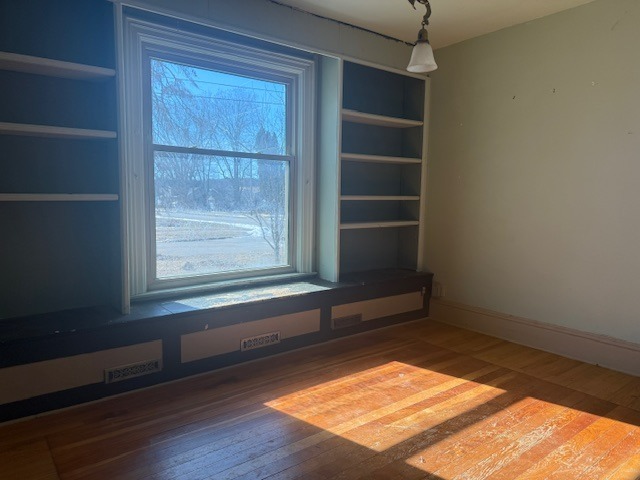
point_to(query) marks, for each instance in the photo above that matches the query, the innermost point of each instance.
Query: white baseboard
(587, 347)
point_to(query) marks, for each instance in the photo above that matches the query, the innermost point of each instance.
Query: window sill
(226, 286)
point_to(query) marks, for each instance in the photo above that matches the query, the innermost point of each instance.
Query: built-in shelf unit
(59, 165)
(379, 173)
(59, 168)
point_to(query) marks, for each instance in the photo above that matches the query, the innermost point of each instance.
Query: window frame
(151, 147)
(144, 40)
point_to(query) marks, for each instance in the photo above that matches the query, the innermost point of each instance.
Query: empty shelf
(359, 157)
(378, 120)
(53, 68)
(58, 197)
(389, 224)
(379, 198)
(56, 132)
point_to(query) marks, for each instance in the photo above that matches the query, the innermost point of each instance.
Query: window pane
(219, 214)
(197, 107)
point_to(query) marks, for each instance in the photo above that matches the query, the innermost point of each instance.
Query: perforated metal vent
(259, 341)
(124, 372)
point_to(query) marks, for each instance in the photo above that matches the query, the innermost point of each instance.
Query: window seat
(60, 359)
(29, 328)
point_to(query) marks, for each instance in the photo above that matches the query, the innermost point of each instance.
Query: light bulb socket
(423, 36)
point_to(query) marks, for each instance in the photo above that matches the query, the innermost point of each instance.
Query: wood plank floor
(421, 400)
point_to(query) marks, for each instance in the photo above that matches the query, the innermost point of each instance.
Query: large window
(218, 178)
(220, 171)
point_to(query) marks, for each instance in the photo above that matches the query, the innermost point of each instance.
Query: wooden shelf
(390, 224)
(53, 68)
(358, 157)
(379, 198)
(54, 132)
(378, 120)
(58, 197)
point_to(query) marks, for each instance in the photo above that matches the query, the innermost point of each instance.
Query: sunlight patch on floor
(400, 402)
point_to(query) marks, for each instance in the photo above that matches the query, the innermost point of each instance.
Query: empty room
(319, 239)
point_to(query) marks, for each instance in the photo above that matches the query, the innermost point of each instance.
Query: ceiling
(452, 21)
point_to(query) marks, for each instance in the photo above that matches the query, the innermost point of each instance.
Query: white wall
(534, 170)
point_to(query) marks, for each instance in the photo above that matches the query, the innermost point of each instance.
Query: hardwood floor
(421, 400)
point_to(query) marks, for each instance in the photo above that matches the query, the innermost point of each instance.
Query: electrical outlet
(438, 290)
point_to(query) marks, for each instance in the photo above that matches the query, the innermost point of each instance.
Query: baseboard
(587, 347)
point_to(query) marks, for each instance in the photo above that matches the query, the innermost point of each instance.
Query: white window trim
(141, 38)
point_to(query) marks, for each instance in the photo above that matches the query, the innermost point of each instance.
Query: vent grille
(124, 372)
(344, 322)
(259, 341)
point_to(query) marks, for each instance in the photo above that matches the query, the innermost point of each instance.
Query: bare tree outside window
(217, 208)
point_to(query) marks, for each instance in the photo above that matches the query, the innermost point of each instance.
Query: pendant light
(422, 60)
